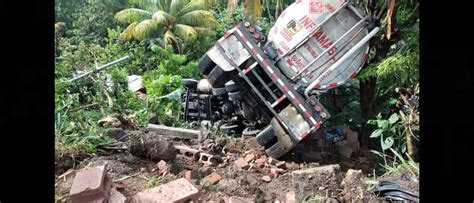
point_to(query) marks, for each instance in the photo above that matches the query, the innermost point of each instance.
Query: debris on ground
(151, 146)
(223, 169)
(310, 181)
(91, 185)
(180, 190)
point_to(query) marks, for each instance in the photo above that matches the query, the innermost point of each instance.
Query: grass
(156, 181)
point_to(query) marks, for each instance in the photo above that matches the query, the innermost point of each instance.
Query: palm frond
(131, 15)
(127, 34)
(170, 38)
(207, 3)
(147, 29)
(185, 32)
(176, 6)
(192, 6)
(198, 18)
(202, 29)
(162, 17)
(164, 5)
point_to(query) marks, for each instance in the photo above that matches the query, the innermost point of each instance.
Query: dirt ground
(132, 174)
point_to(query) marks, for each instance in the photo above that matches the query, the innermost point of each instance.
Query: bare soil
(132, 174)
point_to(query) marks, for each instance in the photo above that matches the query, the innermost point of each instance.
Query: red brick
(91, 185)
(180, 190)
(116, 196)
(211, 179)
(262, 160)
(346, 151)
(274, 172)
(188, 174)
(250, 157)
(235, 199)
(352, 137)
(241, 163)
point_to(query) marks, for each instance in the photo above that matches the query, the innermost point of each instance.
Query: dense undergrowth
(88, 35)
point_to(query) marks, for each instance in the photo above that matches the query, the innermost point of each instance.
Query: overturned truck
(273, 82)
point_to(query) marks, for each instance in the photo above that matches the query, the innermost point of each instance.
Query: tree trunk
(367, 107)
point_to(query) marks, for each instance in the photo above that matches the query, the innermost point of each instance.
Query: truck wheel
(218, 77)
(205, 65)
(234, 96)
(265, 136)
(230, 129)
(190, 83)
(219, 91)
(248, 132)
(276, 151)
(231, 86)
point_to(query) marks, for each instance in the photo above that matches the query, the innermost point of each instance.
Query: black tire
(234, 96)
(230, 129)
(231, 86)
(218, 77)
(276, 151)
(266, 136)
(248, 132)
(190, 83)
(219, 91)
(205, 65)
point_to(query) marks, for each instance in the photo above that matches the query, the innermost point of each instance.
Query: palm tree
(171, 20)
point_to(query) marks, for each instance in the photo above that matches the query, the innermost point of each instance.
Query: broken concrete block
(241, 163)
(308, 181)
(116, 196)
(174, 132)
(188, 152)
(163, 166)
(208, 159)
(91, 185)
(180, 190)
(267, 179)
(211, 179)
(281, 165)
(236, 199)
(353, 185)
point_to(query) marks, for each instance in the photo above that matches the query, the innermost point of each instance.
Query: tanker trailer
(314, 46)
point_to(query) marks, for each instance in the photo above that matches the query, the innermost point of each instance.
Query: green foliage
(174, 22)
(392, 137)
